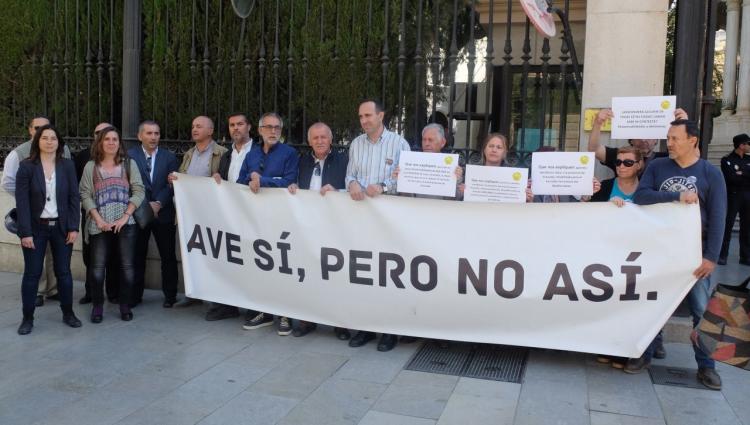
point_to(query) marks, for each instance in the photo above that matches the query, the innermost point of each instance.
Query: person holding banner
(111, 190)
(493, 153)
(373, 156)
(324, 170)
(686, 178)
(270, 164)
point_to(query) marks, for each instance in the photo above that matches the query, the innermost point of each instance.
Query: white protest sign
(495, 184)
(427, 173)
(562, 173)
(645, 117)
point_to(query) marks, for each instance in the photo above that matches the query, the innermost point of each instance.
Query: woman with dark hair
(47, 205)
(111, 190)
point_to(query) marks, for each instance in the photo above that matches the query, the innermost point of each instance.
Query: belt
(48, 221)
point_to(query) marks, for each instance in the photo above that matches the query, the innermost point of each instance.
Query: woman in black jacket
(48, 208)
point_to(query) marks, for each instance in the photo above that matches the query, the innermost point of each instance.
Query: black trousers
(164, 235)
(738, 202)
(102, 248)
(111, 269)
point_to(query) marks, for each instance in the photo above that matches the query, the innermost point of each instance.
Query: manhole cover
(675, 377)
(494, 362)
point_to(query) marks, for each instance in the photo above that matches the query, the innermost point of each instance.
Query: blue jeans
(33, 260)
(697, 301)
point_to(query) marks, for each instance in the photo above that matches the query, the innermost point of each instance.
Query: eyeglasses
(316, 170)
(271, 127)
(626, 162)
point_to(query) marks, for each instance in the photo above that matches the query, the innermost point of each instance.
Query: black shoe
(169, 303)
(635, 366)
(722, 261)
(221, 312)
(342, 333)
(97, 314)
(26, 326)
(708, 377)
(361, 338)
(745, 262)
(255, 320)
(39, 301)
(387, 342)
(71, 320)
(126, 316)
(303, 328)
(54, 297)
(86, 299)
(660, 352)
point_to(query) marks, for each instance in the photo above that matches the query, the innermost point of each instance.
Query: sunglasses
(626, 162)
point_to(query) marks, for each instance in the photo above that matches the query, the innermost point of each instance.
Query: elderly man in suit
(155, 165)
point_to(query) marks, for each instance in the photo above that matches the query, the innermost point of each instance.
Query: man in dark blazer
(155, 165)
(322, 170)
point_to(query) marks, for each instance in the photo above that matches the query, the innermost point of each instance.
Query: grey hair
(320, 124)
(270, 114)
(210, 121)
(439, 128)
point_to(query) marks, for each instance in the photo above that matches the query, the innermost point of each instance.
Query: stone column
(729, 94)
(743, 90)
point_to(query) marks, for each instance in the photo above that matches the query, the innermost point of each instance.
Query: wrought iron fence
(308, 60)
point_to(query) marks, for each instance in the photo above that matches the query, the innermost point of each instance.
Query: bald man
(202, 160)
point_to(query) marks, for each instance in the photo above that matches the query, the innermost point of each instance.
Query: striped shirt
(373, 163)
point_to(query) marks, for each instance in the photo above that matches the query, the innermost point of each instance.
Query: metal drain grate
(493, 362)
(675, 376)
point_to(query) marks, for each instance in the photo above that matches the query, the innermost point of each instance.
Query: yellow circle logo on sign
(448, 160)
(517, 176)
(584, 159)
(665, 104)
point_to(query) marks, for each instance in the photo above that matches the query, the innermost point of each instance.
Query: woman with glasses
(111, 190)
(620, 189)
(47, 207)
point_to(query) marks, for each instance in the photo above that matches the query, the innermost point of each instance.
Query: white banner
(580, 277)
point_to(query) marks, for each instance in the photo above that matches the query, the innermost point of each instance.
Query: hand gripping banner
(574, 276)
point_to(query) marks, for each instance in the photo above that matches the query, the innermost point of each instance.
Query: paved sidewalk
(172, 367)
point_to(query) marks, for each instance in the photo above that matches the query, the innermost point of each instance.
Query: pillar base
(725, 128)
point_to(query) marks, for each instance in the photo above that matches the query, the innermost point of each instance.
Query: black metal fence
(308, 60)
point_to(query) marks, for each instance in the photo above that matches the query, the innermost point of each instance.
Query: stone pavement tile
(199, 397)
(33, 403)
(268, 348)
(419, 394)
(195, 359)
(298, 376)
(736, 390)
(251, 408)
(554, 390)
(374, 417)
(19, 373)
(603, 418)
(689, 406)
(336, 401)
(109, 404)
(368, 364)
(478, 402)
(611, 390)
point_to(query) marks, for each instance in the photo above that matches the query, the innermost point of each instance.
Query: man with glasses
(270, 164)
(155, 165)
(322, 170)
(229, 169)
(48, 282)
(201, 160)
(373, 156)
(112, 283)
(736, 170)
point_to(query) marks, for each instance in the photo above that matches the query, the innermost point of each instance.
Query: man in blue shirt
(270, 164)
(685, 177)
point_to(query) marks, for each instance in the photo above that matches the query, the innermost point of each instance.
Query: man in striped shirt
(372, 158)
(373, 155)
